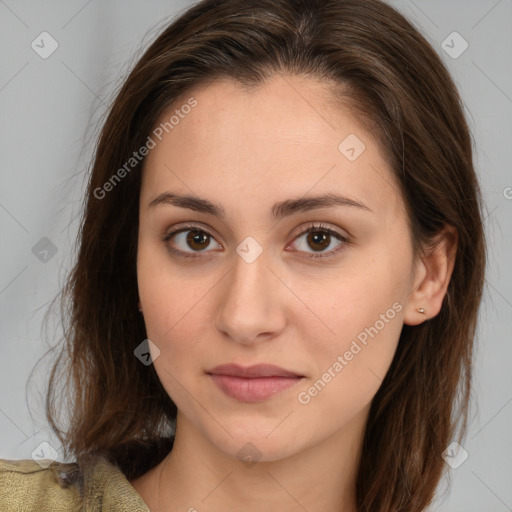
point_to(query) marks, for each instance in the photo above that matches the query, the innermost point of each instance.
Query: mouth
(254, 383)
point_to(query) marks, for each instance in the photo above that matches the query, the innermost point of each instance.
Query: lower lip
(255, 389)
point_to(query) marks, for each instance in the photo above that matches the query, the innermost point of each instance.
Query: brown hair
(384, 68)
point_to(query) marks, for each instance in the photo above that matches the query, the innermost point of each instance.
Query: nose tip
(249, 305)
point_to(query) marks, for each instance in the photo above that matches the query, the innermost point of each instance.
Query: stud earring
(139, 305)
(420, 310)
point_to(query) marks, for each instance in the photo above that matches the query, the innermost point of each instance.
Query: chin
(250, 444)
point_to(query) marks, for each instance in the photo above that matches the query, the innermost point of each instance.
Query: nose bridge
(249, 306)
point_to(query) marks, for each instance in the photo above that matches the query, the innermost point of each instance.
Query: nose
(251, 307)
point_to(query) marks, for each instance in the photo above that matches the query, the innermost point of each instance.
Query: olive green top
(51, 486)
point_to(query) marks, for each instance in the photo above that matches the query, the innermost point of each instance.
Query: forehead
(282, 138)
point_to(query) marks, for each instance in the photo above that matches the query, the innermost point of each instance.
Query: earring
(419, 310)
(139, 305)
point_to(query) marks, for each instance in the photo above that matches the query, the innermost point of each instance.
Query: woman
(280, 268)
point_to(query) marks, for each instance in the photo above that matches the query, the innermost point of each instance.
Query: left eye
(191, 241)
(319, 239)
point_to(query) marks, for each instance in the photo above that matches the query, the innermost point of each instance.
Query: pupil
(318, 237)
(199, 238)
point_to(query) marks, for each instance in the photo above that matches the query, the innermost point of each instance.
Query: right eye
(187, 240)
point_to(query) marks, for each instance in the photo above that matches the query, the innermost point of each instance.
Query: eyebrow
(279, 210)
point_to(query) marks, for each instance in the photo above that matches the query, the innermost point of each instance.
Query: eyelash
(306, 229)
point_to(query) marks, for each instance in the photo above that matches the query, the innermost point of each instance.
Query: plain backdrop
(50, 107)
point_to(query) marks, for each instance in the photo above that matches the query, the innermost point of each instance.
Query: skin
(246, 151)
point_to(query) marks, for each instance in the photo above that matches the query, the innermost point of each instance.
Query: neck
(197, 476)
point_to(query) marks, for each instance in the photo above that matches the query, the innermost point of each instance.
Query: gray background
(49, 114)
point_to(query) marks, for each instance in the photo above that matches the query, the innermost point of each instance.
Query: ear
(431, 277)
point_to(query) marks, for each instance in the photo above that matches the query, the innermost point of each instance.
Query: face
(251, 270)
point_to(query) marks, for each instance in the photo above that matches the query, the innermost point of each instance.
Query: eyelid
(185, 227)
(311, 226)
(320, 226)
(179, 228)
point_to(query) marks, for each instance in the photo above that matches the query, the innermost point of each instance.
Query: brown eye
(189, 241)
(319, 241)
(198, 240)
(316, 241)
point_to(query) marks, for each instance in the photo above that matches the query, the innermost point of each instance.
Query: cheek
(169, 304)
(175, 316)
(350, 365)
(354, 336)
(175, 320)
(358, 298)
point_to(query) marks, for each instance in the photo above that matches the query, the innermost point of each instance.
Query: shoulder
(47, 486)
(27, 485)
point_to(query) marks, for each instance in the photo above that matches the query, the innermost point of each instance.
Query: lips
(254, 383)
(251, 372)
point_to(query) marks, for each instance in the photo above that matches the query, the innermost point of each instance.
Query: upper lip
(257, 370)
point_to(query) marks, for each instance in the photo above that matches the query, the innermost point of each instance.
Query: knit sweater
(50, 486)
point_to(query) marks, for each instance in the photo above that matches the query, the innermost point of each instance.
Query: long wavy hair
(375, 61)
